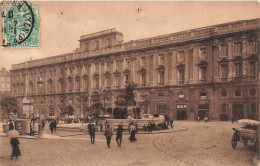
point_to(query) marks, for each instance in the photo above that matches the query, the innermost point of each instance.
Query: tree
(68, 110)
(9, 105)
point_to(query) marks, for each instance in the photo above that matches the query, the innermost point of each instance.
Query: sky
(62, 23)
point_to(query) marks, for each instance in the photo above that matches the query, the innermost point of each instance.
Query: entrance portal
(181, 112)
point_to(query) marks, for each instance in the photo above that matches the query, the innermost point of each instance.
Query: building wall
(184, 74)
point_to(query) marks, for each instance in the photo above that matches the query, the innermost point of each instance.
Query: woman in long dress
(14, 143)
(133, 131)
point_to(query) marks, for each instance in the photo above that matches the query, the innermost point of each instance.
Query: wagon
(247, 133)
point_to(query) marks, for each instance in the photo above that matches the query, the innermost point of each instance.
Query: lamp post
(40, 83)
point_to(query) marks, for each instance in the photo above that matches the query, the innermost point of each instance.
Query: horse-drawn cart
(247, 133)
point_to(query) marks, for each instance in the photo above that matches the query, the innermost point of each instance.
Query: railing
(224, 79)
(181, 82)
(202, 81)
(251, 77)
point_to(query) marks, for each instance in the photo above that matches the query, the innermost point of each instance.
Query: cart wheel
(245, 141)
(234, 142)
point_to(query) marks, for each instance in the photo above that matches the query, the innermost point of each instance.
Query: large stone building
(5, 82)
(210, 71)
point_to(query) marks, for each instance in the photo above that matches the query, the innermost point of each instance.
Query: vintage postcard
(129, 83)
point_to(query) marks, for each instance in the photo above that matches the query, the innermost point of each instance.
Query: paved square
(206, 144)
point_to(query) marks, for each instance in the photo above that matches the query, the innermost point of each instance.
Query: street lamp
(40, 83)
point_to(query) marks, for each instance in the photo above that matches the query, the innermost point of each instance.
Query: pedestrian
(119, 135)
(101, 125)
(150, 127)
(108, 135)
(43, 124)
(198, 119)
(51, 126)
(132, 135)
(171, 122)
(14, 143)
(92, 134)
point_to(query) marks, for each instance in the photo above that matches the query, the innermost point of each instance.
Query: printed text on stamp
(20, 25)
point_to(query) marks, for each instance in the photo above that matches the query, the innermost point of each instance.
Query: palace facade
(211, 71)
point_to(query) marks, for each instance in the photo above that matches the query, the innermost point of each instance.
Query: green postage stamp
(20, 25)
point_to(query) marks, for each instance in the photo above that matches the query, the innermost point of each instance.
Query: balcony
(181, 82)
(202, 81)
(143, 85)
(251, 77)
(224, 79)
(117, 87)
(161, 83)
(237, 78)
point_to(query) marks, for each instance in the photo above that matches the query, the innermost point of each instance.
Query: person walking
(171, 122)
(92, 134)
(119, 135)
(14, 142)
(51, 126)
(43, 124)
(150, 127)
(132, 135)
(108, 135)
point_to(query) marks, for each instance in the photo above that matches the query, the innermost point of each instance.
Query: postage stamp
(20, 25)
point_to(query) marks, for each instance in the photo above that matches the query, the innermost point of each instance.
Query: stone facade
(210, 71)
(5, 81)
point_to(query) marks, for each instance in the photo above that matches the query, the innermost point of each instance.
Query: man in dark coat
(54, 125)
(150, 127)
(92, 134)
(51, 126)
(119, 135)
(108, 135)
(171, 122)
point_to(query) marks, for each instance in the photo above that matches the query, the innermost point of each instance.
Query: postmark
(20, 24)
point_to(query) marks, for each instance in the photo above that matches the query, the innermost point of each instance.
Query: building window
(51, 111)
(252, 92)
(238, 93)
(96, 45)
(85, 84)
(70, 85)
(181, 76)
(109, 42)
(108, 81)
(86, 47)
(143, 79)
(162, 108)
(223, 51)
(126, 77)
(254, 113)
(97, 82)
(161, 77)
(238, 70)
(96, 67)
(252, 70)
(237, 49)
(181, 57)
(117, 82)
(181, 95)
(252, 47)
(224, 108)
(203, 53)
(117, 64)
(203, 95)
(161, 58)
(203, 75)
(78, 85)
(127, 63)
(50, 87)
(143, 61)
(224, 93)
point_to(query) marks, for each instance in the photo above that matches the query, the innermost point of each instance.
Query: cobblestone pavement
(205, 144)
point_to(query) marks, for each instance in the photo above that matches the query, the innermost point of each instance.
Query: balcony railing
(181, 82)
(237, 78)
(224, 79)
(202, 81)
(251, 77)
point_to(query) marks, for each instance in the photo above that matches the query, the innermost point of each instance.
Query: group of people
(109, 133)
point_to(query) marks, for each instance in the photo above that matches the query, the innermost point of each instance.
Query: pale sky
(59, 33)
